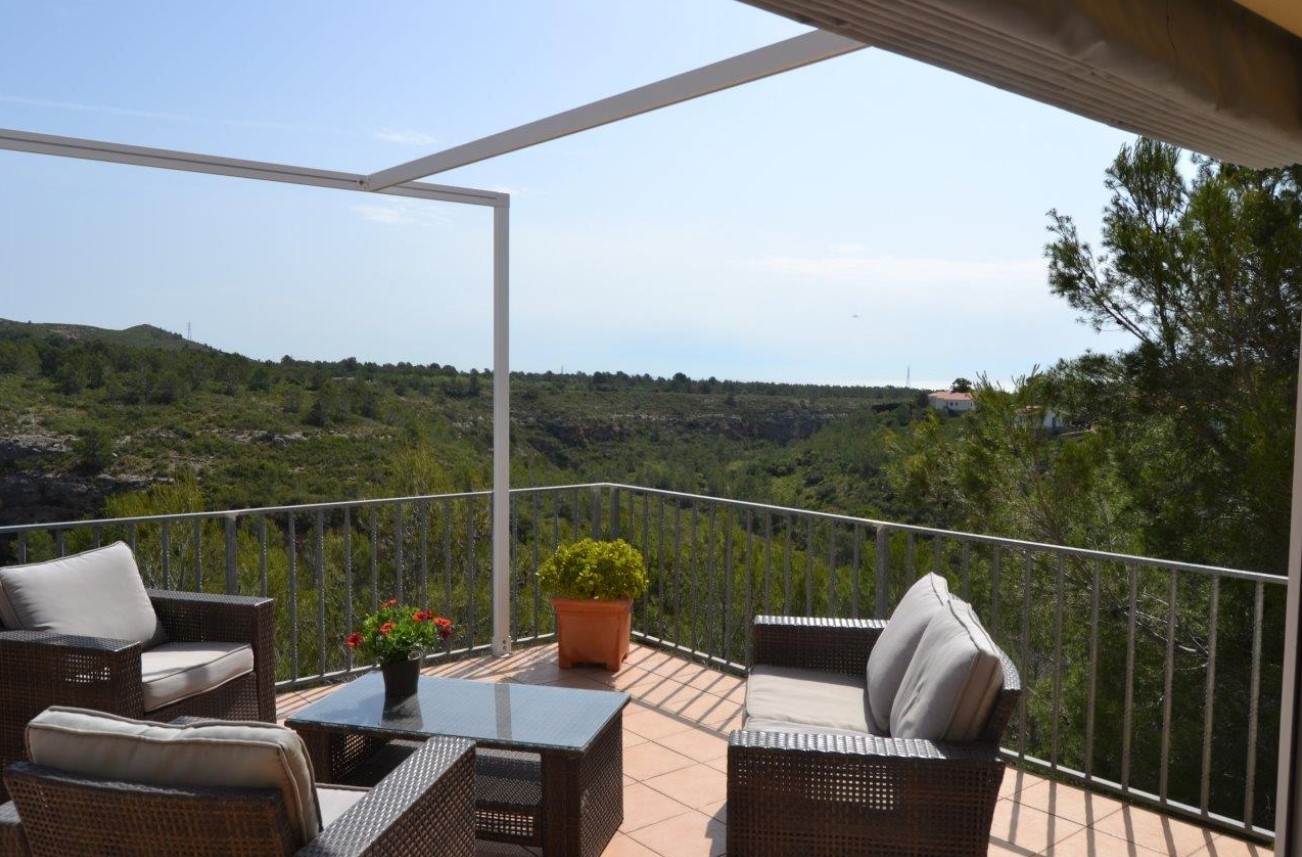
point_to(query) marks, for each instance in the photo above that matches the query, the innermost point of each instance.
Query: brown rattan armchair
(39, 669)
(818, 793)
(424, 807)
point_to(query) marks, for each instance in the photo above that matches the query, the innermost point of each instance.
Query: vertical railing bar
(1209, 696)
(1254, 694)
(996, 566)
(662, 574)
(967, 571)
(831, 568)
(937, 555)
(320, 591)
(472, 593)
(399, 565)
(447, 558)
(231, 526)
(1128, 705)
(198, 555)
(726, 583)
(786, 604)
(291, 535)
(536, 501)
(375, 560)
(1025, 665)
(856, 571)
(767, 597)
(513, 527)
(747, 613)
(424, 555)
(1092, 687)
(809, 566)
(131, 536)
(263, 583)
(909, 561)
(710, 546)
(95, 536)
(679, 637)
(615, 508)
(167, 555)
(882, 585)
(596, 512)
(693, 579)
(22, 547)
(646, 555)
(348, 582)
(1167, 679)
(1057, 661)
(60, 545)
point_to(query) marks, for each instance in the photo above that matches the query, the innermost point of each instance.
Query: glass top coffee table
(550, 759)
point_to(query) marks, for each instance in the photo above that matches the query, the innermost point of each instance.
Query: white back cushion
(213, 753)
(893, 650)
(951, 684)
(98, 593)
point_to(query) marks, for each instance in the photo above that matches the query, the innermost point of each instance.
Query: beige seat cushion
(890, 656)
(335, 801)
(98, 593)
(951, 685)
(174, 671)
(211, 753)
(759, 724)
(808, 697)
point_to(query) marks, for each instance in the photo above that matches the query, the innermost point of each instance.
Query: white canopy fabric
(1207, 75)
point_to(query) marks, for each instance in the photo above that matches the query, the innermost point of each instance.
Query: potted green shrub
(593, 584)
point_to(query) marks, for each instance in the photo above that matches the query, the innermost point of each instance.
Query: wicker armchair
(812, 793)
(39, 669)
(424, 807)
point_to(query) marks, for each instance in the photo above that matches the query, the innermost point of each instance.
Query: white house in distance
(952, 403)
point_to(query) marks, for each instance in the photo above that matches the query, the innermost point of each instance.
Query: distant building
(951, 403)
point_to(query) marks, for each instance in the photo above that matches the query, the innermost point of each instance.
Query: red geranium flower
(392, 602)
(386, 628)
(422, 615)
(354, 640)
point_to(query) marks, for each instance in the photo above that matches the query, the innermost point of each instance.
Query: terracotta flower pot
(594, 632)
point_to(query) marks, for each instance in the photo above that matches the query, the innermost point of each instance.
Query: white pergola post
(1288, 797)
(501, 429)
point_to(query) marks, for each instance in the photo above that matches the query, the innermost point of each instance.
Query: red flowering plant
(397, 633)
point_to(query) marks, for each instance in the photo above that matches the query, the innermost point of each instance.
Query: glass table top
(503, 712)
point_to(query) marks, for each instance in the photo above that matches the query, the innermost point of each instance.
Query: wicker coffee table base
(570, 804)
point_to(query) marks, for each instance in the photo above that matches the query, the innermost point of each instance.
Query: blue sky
(845, 223)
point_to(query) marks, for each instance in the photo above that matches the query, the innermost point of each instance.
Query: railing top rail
(977, 538)
(1016, 544)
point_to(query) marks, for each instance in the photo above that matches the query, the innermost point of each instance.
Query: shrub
(590, 568)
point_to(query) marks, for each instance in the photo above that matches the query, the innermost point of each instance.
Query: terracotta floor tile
(1067, 802)
(1015, 781)
(625, 846)
(1028, 829)
(691, 835)
(1095, 843)
(644, 805)
(700, 744)
(651, 760)
(696, 786)
(654, 725)
(1156, 832)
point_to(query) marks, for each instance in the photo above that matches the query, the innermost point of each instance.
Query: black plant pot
(400, 679)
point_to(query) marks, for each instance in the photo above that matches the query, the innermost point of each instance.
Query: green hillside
(88, 414)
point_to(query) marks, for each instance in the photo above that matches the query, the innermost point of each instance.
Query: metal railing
(1152, 679)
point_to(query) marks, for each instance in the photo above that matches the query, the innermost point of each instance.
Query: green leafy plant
(590, 568)
(395, 632)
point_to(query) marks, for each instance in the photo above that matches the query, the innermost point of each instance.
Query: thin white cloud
(97, 108)
(401, 213)
(405, 138)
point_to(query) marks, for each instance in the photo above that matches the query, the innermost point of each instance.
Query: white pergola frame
(402, 180)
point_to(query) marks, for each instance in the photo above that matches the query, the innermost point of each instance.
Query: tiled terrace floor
(675, 748)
